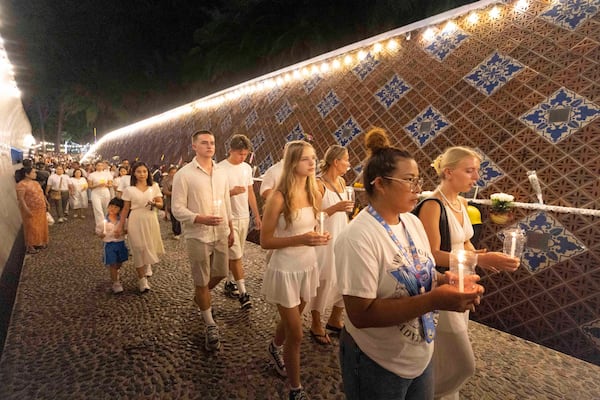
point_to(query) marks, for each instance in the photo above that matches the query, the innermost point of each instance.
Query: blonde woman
(336, 203)
(458, 170)
(291, 277)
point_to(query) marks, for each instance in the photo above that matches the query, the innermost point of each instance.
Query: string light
(473, 18)
(377, 48)
(449, 28)
(361, 55)
(429, 34)
(495, 13)
(392, 45)
(348, 59)
(521, 5)
(336, 64)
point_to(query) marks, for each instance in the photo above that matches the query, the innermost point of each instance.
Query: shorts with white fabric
(240, 232)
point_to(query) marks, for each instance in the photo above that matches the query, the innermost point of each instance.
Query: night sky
(109, 63)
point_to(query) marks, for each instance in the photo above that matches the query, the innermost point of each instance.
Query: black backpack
(446, 244)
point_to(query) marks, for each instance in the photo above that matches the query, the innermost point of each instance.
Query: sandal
(323, 339)
(334, 329)
(32, 251)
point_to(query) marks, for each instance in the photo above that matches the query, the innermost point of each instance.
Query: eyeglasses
(415, 182)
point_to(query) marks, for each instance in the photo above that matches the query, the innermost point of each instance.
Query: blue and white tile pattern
(392, 91)
(445, 43)
(493, 73)
(581, 112)
(329, 102)
(251, 119)
(283, 113)
(365, 67)
(570, 14)
(347, 132)
(429, 117)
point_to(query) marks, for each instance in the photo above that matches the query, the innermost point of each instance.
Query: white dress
(79, 199)
(291, 273)
(142, 226)
(334, 224)
(453, 358)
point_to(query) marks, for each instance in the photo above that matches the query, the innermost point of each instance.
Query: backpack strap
(445, 244)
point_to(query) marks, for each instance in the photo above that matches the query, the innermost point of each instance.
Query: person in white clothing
(98, 182)
(458, 170)
(200, 201)
(386, 273)
(291, 277)
(143, 198)
(241, 192)
(270, 179)
(336, 203)
(58, 189)
(78, 194)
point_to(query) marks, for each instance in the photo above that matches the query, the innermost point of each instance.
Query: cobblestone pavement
(70, 338)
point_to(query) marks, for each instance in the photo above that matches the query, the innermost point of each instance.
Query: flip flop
(333, 329)
(323, 340)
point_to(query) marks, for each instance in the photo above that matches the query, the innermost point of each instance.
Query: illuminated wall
(518, 80)
(14, 131)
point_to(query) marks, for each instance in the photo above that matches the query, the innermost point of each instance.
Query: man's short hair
(201, 132)
(240, 142)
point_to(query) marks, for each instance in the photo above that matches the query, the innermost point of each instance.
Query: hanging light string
(544, 207)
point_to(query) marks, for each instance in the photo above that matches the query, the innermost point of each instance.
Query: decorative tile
(251, 119)
(548, 242)
(329, 102)
(347, 132)
(312, 83)
(445, 43)
(489, 172)
(365, 67)
(265, 164)
(392, 91)
(245, 103)
(258, 140)
(226, 124)
(563, 114)
(274, 94)
(426, 126)
(283, 113)
(570, 14)
(493, 73)
(298, 134)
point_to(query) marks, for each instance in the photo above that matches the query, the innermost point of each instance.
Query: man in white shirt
(271, 177)
(200, 201)
(241, 193)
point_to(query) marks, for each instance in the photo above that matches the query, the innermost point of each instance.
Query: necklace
(450, 204)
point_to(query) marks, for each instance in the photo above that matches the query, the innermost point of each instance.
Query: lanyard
(419, 280)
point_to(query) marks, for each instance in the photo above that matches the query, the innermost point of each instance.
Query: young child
(115, 251)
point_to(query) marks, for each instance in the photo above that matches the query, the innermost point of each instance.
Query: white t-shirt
(123, 183)
(98, 177)
(238, 175)
(271, 177)
(365, 258)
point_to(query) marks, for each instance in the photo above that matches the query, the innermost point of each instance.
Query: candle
(104, 228)
(321, 216)
(513, 244)
(461, 271)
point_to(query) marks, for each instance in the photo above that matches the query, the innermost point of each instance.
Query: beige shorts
(207, 260)
(240, 231)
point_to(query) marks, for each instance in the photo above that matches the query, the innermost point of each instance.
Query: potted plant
(501, 210)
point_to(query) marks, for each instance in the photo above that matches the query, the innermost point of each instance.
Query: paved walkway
(70, 338)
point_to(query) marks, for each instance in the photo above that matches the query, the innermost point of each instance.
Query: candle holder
(321, 217)
(462, 264)
(514, 242)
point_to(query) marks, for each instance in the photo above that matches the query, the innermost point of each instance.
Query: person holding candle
(385, 271)
(291, 278)
(335, 205)
(98, 182)
(115, 251)
(142, 198)
(458, 170)
(197, 188)
(78, 193)
(241, 192)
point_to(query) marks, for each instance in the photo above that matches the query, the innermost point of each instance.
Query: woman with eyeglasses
(385, 271)
(458, 170)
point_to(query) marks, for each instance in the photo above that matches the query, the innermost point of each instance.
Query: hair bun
(377, 139)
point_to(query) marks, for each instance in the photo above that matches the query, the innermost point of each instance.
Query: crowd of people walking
(386, 269)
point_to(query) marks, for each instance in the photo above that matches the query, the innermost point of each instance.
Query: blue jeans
(365, 379)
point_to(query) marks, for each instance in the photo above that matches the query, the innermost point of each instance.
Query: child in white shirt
(115, 251)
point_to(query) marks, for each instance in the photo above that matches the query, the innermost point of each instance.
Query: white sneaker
(61, 220)
(149, 270)
(117, 287)
(143, 285)
(176, 237)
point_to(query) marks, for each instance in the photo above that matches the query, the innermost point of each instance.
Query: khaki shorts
(240, 231)
(207, 260)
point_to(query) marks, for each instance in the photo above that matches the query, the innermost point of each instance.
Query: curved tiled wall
(522, 87)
